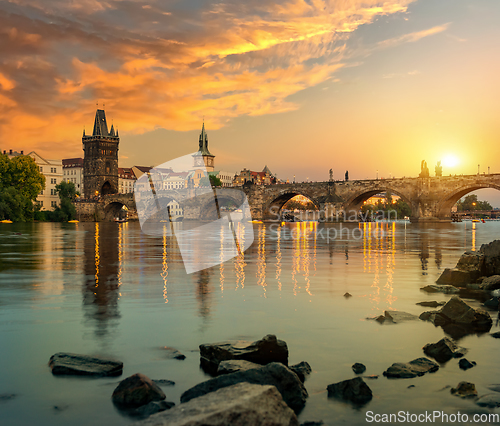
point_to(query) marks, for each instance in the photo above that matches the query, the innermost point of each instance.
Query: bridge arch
(113, 209)
(355, 202)
(449, 200)
(273, 208)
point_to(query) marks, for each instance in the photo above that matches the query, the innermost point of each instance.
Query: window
(53, 192)
(41, 203)
(53, 203)
(41, 193)
(53, 181)
(41, 169)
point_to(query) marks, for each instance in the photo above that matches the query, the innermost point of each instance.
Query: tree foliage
(471, 203)
(20, 184)
(66, 210)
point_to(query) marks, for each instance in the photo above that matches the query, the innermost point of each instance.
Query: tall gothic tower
(203, 156)
(100, 161)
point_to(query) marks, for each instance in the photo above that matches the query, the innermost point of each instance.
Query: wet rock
(435, 288)
(354, 390)
(394, 317)
(4, 397)
(286, 381)
(490, 400)
(471, 261)
(164, 382)
(465, 390)
(135, 391)
(234, 365)
(371, 376)
(491, 303)
(494, 388)
(302, 369)
(457, 278)
(456, 311)
(411, 387)
(172, 353)
(347, 295)
(417, 367)
(465, 364)
(320, 423)
(432, 304)
(241, 404)
(151, 408)
(444, 350)
(490, 283)
(491, 254)
(496, 334)
(268, 349)
(358, 368)
(83, 365)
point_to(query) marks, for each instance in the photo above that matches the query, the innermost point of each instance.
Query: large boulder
(394, 317)
(438, 288)
(135, 391)
(354, 390)
(491, 254)
(302, 369)
(286, 381)
(268, 349)
(457, 278)
(241, 404)
(490, 283)
(83, 365)
(471, 261)
(444, 350)
(456, 311)
(234, 365)
(408, 370)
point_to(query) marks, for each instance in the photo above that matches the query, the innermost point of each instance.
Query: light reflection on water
(105, 288)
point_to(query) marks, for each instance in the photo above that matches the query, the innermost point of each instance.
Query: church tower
(100, 161)
(203, 156)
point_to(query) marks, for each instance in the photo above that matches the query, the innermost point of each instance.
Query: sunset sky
(302, 85)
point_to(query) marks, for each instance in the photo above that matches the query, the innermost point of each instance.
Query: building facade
(100, 161)
(53, 172)
(126, 180)
(73, 172)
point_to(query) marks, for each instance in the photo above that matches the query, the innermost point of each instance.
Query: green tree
(20, 184)
(215, 181)
(471, 203)
(66, 210)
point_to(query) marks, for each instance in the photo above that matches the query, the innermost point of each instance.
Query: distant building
(53, 172)
(226, 178)
(100, 162)
(126, 180)
(73, 172)
(265, 177)
(203, 157)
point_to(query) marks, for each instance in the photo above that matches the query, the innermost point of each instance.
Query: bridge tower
(203, 157)
(100, 162)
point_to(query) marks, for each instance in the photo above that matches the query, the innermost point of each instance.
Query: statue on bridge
(439, 169)
(424, 170)
(331, 175)
(347, 175)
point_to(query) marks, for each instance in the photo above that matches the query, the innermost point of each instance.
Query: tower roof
(204, 141)
(266, 170)
(100, 124)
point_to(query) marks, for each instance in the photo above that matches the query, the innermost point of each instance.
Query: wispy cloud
(166, 63)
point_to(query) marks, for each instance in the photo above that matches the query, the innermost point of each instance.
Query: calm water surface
(107, 289)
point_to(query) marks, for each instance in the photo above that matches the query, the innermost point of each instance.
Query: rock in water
(490, 400)
(457, 278)
(394, 317)
(269, 349)
(417, 367)
(286, 381)
(135, 391)
(242, 404)
(358, 368)
(354, 390)
(302, 369)
(173, 353)
(491, 254)
(496, 335)
(457, 312)
(490, 283)
(465, 390)
(234, 365)
(83, 365)
(435, 288)
(432, 304)
(444, 350)
(465, 364)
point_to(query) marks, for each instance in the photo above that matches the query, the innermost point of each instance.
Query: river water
(107, 289)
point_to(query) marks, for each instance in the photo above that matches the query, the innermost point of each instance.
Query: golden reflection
(164, 263)
(221, 265)
(261, 259)
(306, 258)
(473, 236)
(239, 264)
(390, 259)
(120, 254)
(97, 257)
(295, 256)
(278, 258)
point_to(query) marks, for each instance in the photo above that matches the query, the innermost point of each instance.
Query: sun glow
(450, 161)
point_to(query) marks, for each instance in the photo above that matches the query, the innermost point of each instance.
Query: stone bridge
(430, 199)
